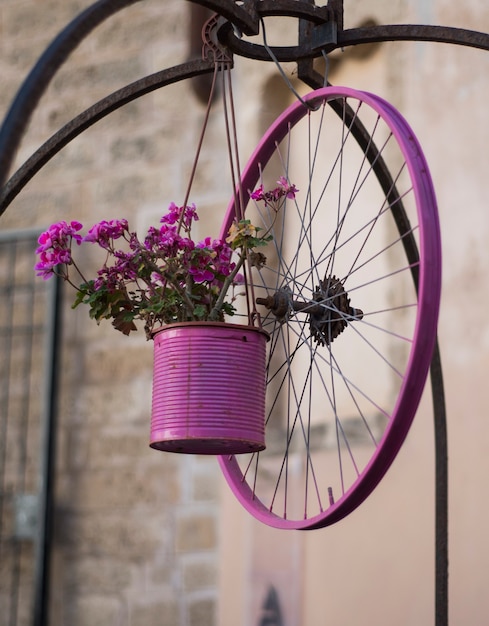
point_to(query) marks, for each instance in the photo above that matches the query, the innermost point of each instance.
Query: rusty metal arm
(92, 115)
(414, 32)
(353, 37)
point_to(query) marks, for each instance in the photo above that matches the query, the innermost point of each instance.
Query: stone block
(199, 573)
(41, 208)
(96, 610)
(116, 446)
(89, 574)
(24, 21)
(118, 190)
(117, 363)
(130, 537)
(104, 76)
(196, 532)
(163, 571)
(132, 148)
(142, 28)
(206, 486)
(202, 612)
(162, 613)
(123, 488)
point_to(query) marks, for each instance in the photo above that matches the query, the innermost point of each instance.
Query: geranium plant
(164, 278)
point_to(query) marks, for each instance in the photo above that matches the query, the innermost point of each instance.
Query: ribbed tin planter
(209, 388)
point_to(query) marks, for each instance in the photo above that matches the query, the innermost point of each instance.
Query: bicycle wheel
(349, 294)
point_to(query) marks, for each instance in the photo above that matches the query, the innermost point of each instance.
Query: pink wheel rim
(400, 417)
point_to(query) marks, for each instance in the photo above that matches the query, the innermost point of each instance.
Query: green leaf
(200, 311)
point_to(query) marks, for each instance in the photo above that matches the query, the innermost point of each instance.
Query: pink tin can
(209, 385)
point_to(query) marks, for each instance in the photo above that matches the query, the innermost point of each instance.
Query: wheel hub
(329, 310)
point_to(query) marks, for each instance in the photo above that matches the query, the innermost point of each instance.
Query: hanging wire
(326, 68)
(233, 155)
(309, 105)
(199, 146)
(232, 142)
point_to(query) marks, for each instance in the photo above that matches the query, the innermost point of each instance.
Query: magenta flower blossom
(162, 239)
(275, 198)
(201, 275)
(214, 257)
(258, 194)
(288, 189)
(175, 213)
(59, 236)
(55, 247)
(103, 232)
(49, 260)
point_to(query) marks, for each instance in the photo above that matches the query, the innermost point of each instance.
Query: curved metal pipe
(414, 32)
(92, 115)
(441, 489)
(353, 37)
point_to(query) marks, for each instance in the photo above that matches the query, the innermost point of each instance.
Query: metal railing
(29, 327)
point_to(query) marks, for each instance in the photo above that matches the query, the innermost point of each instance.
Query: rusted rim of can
(206, 324)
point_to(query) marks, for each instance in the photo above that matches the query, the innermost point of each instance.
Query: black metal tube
(48, 469)
(414, 32)
(441, 490)
(353, 37)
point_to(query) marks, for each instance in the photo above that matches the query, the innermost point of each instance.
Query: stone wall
(137, 531)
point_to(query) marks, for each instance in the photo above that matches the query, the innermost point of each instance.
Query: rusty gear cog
(333, 318)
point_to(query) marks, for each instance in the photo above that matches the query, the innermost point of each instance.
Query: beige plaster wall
(137, 531)
(377, 566)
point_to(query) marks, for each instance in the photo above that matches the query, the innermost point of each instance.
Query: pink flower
(175, 212)
(55, 247)
(288, 189)
(59, 235)
(273, 197)
(166, 241)
(48, 261)
(219, 255)
(257, 194)
(104, 231)
(200, 275)
(163, 278)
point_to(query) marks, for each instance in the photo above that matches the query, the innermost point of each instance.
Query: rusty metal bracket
(320, 33)
(212, 49)
(243, 17)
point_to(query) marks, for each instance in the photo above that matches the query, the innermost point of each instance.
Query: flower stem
(216, 309)
(80, 273)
